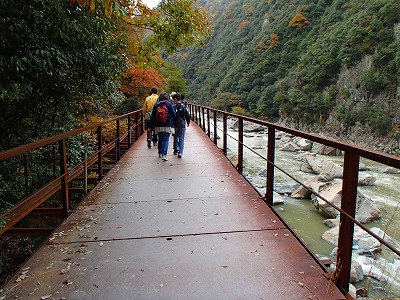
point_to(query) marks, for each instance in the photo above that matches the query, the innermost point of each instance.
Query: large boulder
(325, 150)
(304, 144)
(368, 244)
(356, 271)
(366, 211)
(285, 188)
(304, 193)
(249, 127)
(322, 166)
(290, 147)
(332, 236)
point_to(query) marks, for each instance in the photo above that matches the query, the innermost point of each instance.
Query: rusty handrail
(28, 147)
(62, 180)
(352, 154)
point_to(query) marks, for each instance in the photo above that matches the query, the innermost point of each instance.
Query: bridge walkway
(188, 228)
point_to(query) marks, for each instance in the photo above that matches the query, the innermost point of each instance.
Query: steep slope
(330, 62)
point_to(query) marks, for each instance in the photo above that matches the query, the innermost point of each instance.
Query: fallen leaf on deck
(67, 282)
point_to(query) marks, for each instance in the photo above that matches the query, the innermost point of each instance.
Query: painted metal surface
(189, 228)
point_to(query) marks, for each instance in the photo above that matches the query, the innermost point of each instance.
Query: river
(307, 222)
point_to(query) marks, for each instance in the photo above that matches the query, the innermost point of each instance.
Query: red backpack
(162, 113)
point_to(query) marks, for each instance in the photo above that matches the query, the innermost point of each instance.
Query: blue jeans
(179, 139)
(163, 140)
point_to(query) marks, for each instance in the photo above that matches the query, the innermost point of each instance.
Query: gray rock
(290, 147)
(313, 184)
(367, 180)
(248, 127)
(356, 272)
(285, 188)
(322, 166)
(325, 150)
(366, 211)
(331, 222)
(304, 144)
(391, 171)
(278, 199)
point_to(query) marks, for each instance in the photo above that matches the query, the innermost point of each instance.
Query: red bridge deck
(189, 228)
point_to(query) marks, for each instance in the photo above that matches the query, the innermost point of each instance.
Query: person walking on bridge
(147, 109)
(161, 121)
(181, 119)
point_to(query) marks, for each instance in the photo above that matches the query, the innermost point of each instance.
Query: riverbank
(358, 134)
(308, 223)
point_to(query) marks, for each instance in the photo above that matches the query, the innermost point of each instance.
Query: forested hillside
(333, 63)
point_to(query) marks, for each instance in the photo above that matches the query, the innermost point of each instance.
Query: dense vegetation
(330, 62)
(65, 61)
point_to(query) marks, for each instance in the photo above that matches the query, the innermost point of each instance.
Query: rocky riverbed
(373, 267)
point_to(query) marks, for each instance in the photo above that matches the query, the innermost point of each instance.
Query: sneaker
(148, 143)
(164, 158)
(175, 153)
(154, 143)
(159, 155)
(179, 155)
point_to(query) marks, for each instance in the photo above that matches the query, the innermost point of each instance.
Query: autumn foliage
(274, 41)
(299, 20)
(137, 79)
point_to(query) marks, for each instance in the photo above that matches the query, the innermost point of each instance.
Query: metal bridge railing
(206, 118)
(102, 144)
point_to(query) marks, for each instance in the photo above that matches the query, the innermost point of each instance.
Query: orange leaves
(299, 20)
(243, 24)
(274, 41)
(136, 78)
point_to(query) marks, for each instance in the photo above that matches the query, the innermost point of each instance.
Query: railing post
(99, 152)
(137, 129)
(239, 166)
(143, 127)
(196, 110)
(85, 174)
(215, 127)
(201, 116)
(53, 153)
(346, 227)
(203, 119)
(26, 175)
(118, 142)
(64, 177)
(225, 134)
(269, 195)
(208, 123)
(129, 132)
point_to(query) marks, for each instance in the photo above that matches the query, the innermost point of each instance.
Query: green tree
(58, 64)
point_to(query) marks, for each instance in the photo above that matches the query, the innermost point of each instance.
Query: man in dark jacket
(161, 121)
(181, 119)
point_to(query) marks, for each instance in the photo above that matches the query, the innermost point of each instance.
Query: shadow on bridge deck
(188, 228)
